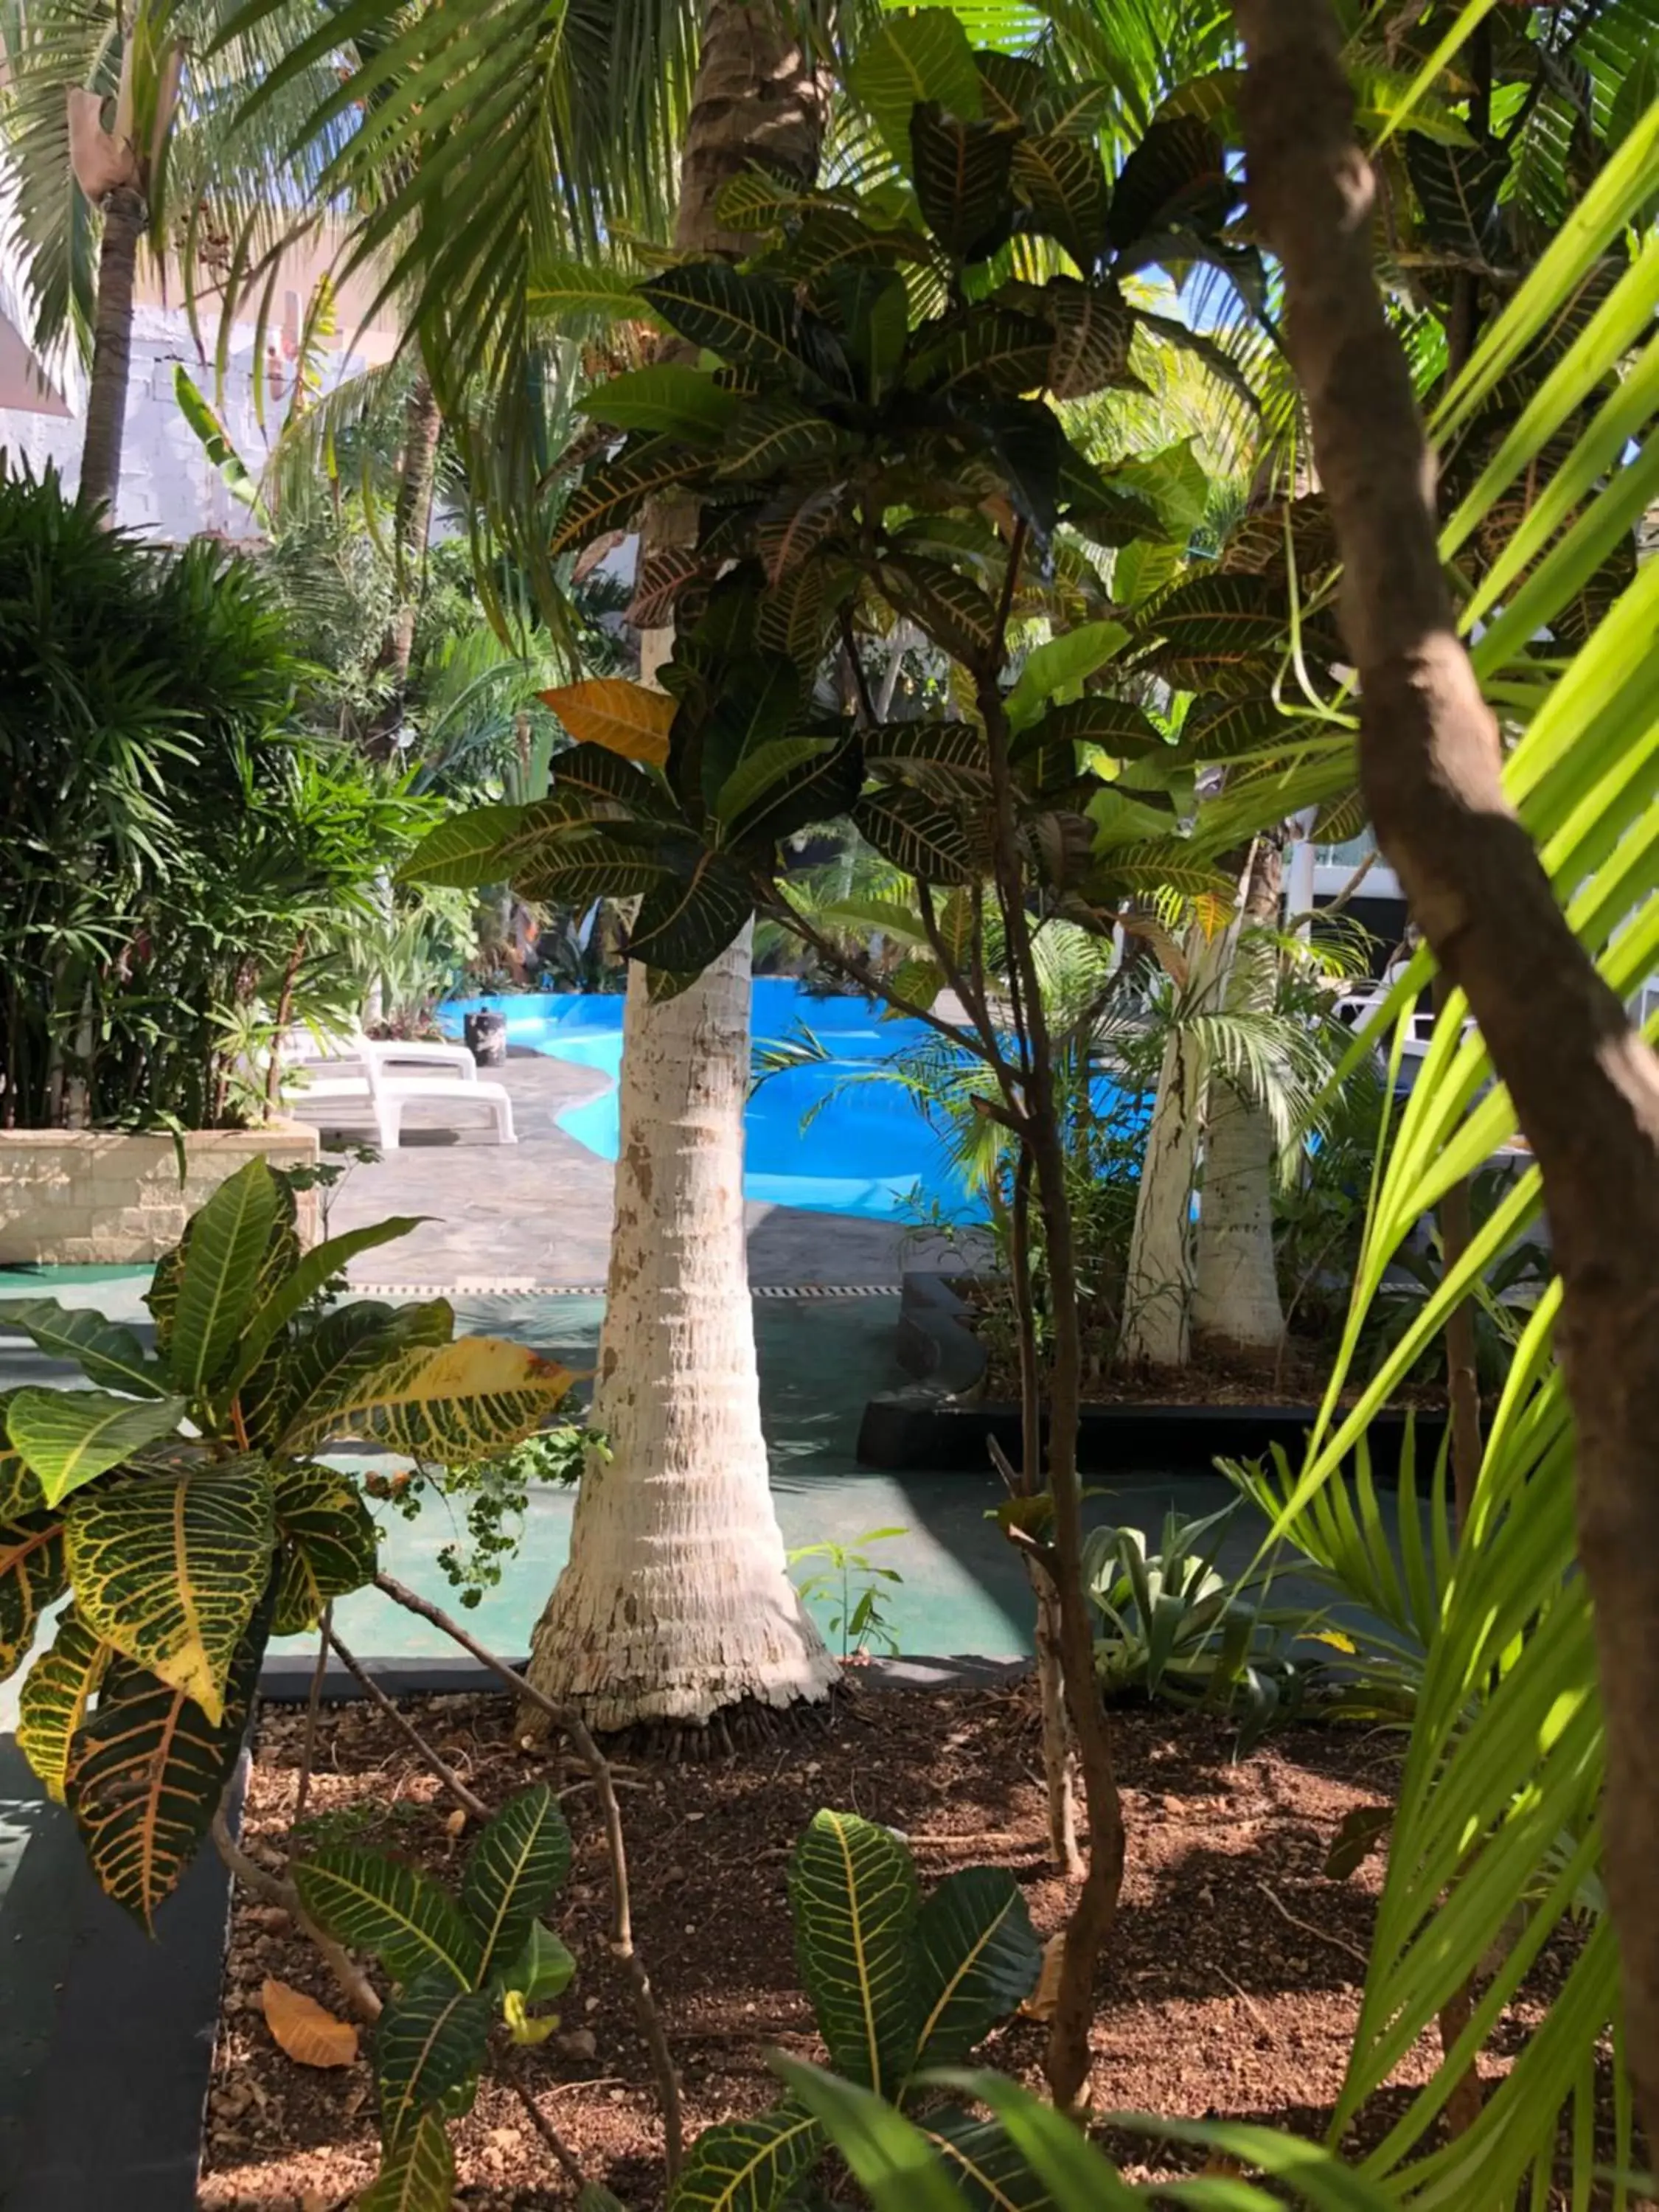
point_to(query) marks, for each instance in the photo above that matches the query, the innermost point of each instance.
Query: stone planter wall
(92, 1197)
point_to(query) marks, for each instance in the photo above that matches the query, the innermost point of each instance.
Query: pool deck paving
(540, 1211)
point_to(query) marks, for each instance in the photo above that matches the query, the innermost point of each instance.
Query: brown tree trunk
(1584, 1086)
(424, 425)
(125, 219)
(760, 101)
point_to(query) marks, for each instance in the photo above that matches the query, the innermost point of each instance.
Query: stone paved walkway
(540, 1211)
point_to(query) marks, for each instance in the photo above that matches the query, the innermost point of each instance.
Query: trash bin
(486, 1038)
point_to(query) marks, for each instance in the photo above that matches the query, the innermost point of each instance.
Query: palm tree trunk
(126, 218)
(677, 1600)
(1236, 1287)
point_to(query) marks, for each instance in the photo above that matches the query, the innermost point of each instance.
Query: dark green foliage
(898, 1984)
(171, 849)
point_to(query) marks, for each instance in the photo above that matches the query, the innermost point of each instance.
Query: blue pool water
(869, 1150)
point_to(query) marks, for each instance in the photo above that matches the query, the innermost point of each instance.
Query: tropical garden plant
(178, 1504)
(900, 1984)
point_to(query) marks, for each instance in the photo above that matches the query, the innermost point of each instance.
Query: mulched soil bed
(1230, 1987)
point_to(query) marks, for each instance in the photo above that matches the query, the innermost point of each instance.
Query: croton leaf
(873, 310)
(630, 719)
(961, 171)
(352, 1342)
(687, 920)
(110, 1357)
(756, 200)
(169, 1569)
(1059, 845)
(31, 1576)
(952, 608)
(562, 290)
(67, 1438)
(749, 2165)
(517, 1864)
(429, 2041)
(1060, 177)
(1126, 731)
(1011, 88)
(1176, 176)
(915, 833)
(853, 1897)
(396, 1914)
(543, 1968)
(611, 495)
(774, 434)
(606, 859)
(146, 1774)
(229, 1237)
(1457, 188)
(742, 317)
(608, 785)
(20, 1485)
(1218, 622)
(466, 849)
(328, 1543)
(52, 1702)
(1059, 664)
(1221, 729)
(299, 1278)
(977, 1960)
(163, 1291)
(790, 530)
(921, 55)
(784, 787)
(959, 746)
(759, 695)
(669, 396)
(991, 349)
(662, 578)
(989, 2168)
(796, 614)
(1094, 333)
(419, 2176)
(452, 1402)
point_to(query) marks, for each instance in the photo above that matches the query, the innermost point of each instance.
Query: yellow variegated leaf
(147, 1772)
(52, 1703)
(450, 1401)
(169, 1569)
(625, 718)
(31, 1576)
(20, 1485)
(328, 1543)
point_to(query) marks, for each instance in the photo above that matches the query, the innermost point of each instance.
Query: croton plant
(179, 1505)
(859, 439)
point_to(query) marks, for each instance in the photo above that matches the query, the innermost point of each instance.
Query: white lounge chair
(358, 1088)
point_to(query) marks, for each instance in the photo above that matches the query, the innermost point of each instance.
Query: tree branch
(565, 1717)
(474, 1807)
(353, 1985)
(1584, 1086)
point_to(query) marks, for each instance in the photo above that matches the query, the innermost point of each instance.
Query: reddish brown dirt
(1232, 1985)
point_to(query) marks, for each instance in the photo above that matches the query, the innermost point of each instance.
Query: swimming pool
(870, 1150)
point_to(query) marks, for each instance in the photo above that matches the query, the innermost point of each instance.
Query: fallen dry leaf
(304, 2029)
(1040, 2005)
(456, 1822)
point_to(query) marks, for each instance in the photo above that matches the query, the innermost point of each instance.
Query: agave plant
(898, 1983)
(177, 1503)
(458, 1963)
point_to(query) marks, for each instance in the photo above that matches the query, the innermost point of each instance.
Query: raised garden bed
(938, 1423)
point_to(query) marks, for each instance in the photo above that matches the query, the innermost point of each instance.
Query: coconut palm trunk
(125, 219)
(1236, 1303)
(676, 1601)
